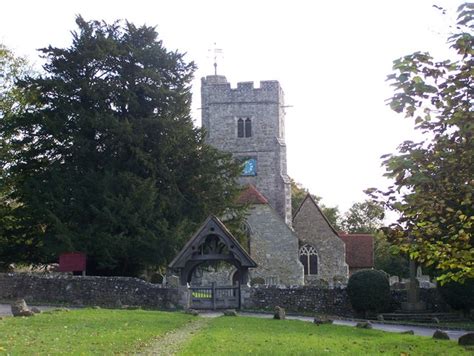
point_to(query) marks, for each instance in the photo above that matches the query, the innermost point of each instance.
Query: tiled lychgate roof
(359, 250)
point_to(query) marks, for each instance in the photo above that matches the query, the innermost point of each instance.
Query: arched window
(240, 128)
(309, 259)
(248, 127)
(244, 127)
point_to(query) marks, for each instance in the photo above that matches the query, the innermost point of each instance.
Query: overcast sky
(331, 58)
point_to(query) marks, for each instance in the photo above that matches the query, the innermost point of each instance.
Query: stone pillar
(184, 297)
(245, 297)
(413, 304)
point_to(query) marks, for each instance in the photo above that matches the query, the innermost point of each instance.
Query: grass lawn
(245, 335)
(86, 331)
(103, 331)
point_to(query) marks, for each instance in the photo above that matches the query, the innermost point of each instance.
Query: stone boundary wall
(298, 299)
(119, 291)
(88, 290)
(325, 301)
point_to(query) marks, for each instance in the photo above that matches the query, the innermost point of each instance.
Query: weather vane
(216, 52)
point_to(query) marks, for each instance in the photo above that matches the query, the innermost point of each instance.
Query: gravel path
(171, 343)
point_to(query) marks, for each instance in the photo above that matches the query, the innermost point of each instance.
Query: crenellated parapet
(216, 89)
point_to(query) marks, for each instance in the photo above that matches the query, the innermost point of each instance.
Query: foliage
(106, 159)
(363, 218)
(387, 259)
(12, 68)
(12, 100)
(369, 290)
(87, 331)
(295, 337)
(433, 179)
(299, 192)
(459, 296)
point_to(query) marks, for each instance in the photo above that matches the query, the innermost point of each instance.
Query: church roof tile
(250, 195)
(359, 250)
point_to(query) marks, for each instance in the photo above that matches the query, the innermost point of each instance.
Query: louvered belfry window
(248, 127)
(244, 127)
(240, 128)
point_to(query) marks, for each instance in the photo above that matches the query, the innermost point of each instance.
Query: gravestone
(466, 339)
(19, 308)
(279, 313)
(440, 335)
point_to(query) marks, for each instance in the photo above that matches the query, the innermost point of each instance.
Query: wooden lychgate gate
(226, 297)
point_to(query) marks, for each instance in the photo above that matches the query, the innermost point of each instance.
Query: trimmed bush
(459, 296)
(369, 291)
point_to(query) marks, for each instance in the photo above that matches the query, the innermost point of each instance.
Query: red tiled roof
(251, 196)
(359, 250)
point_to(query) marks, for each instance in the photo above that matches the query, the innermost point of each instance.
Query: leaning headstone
(440, 335)
(364, 325)
(19, 308)
(279, 313)
(466, 339)
(318, 320)
(230, 312)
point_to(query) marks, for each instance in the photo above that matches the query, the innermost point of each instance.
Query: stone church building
(249, 122)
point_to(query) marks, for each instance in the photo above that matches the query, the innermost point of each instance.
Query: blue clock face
(250, 167)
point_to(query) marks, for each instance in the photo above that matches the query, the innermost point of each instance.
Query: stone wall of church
(312, 228)
(222, 106)
(274, 247)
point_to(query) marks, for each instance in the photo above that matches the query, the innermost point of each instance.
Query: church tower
(250, 123)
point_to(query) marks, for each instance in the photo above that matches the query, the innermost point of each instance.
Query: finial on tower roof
(216, 52)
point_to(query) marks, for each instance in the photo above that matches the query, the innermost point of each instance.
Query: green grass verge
(246, 335)
(86, 331)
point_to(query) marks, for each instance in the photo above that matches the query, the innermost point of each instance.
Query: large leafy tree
(12, 101)
(363, 218)
(433, 179)
(106, 159)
